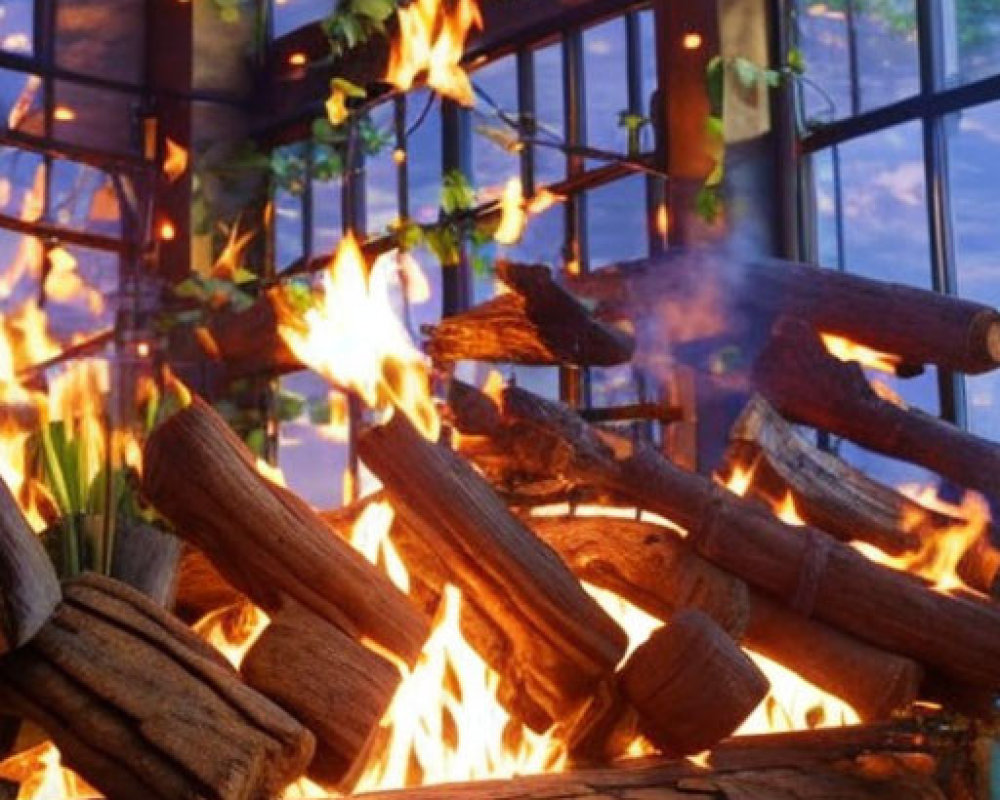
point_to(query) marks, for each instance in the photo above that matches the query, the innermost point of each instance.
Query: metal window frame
(930, 106)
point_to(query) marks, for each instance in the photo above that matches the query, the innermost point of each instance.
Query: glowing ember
(175, 163)
(431, 41)
(787, 512)
(354, 339)
(846, 350)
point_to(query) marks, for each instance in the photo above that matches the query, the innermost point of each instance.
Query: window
(900, 108)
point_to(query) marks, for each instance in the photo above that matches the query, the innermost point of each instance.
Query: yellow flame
(514, 218)
(431, 39)
(940, 553)
(740, 479)
(41, 776)
(844, 349)
(234, 630)
(354, 339)
(787, 512)
(231, 258)
(175, 163)
(64, 284)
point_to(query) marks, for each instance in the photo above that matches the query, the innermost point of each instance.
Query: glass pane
(971, 34)
(616, 221)
(381, 176)
(826, 91)
(17, 26)
(885, 208)
(550, 163)
(647, 33)
(492, 163)
(287, 228)
(20, 268)
(888, 59)
(21, 102)
(292, 14)
(22, 183)
(823, 166)
(423, 144)
(80, 291)
(84, 198)
(606, 69)
(103, 39)
(974, 172)
(327, 214)
(95, 118)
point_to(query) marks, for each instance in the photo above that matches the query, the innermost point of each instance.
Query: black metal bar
(852, 58)
(46, 231)
(456, 283)
(944, 102)
(402, 164)
(527, 115)
(838, 206)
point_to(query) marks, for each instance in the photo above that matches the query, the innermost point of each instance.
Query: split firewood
(802, 567)
(691, 684)
(651, 566)
(537, 322)
(335, 686)
(806, 384)
(919, 326)
(560, 634)
(266, 541)
(147, 558)
(140, 707)
(29, 587)
(841, 500)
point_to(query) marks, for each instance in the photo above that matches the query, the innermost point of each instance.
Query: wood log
(146, 558)
(806, 384)
(919, 326)
(558, 630)
(651, 566)
(140, 707)
(338, 688)
(538, 322)
(841, 500)
(265, 540)
(883, 762)
(691, 684)
(29, 587)
(802, 567)
(200, 588)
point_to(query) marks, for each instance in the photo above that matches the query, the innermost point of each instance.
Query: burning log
(806, 569)
(338, 688)
(560, 635)
(538, 322)
(805, 384)
(691, 684)
(651, 566)
(146, 558)
(265, 540)
(200, 588)
(841, 500)
(29, 587)
(919, 326)
(141, 707)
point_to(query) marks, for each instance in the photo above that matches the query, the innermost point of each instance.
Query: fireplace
(568, 503)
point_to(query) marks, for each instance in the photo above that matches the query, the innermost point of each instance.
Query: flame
(41, 776)
(231, 258)
(513, 219)
(740, 479)
(543, 201)
(233, 631)
(788, 513)
(940, 553)
(63, 284)
(431, 40)
(662, 219)
(846, 350)
(354, 339)
(175, 163)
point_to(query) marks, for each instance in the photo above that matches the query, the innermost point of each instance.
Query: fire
(63, 284)
(230, 259)
(354, 339)
(233, 631)
(740, 479)
(846, 350)
(431, 40)
(175, 163)
(788, 513)
(939, 555)
(41, 776)
(513, 219)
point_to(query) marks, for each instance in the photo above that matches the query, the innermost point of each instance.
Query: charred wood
(265, 540)
(146, 558)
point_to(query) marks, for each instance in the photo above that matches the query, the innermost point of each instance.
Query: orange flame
(354, 339)
(513, 219)
(431, 40)
(175, 163)
(846, 350)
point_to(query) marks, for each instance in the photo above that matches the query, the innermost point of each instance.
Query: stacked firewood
(143, 708)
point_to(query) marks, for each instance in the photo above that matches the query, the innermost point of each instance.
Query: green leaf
(378, 10)
(457, 193)
(443, 243)
(715, 74)
(796, 61)
(708, 204)
(289, 405)
(409, 235)
(715, 126)
(747, 73)
(348, 88)
(717, 174)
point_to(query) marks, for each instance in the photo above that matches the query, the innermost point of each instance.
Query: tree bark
(841, 500)
(538, 322)
(265, 540)
(714, 293)
(691, 684)
(29, 587)
(141, 707)
(805, 384)
(560, 634)
(651, 566)
(802, 567)
(338, 688)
